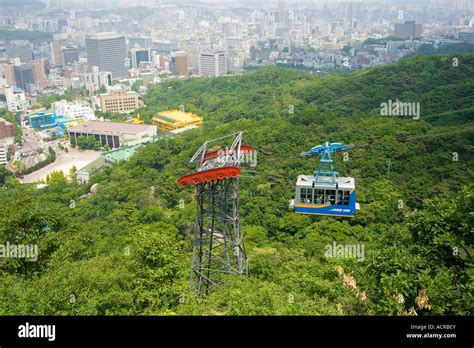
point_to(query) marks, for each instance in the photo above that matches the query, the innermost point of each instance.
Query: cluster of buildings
(131, 51)
(110, 61)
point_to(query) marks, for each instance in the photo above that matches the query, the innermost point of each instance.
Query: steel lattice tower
(218, 246)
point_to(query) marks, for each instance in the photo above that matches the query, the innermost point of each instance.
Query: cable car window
(345, 199)
(339, 197)
(306, 195)
(318, 196)
(330, 197)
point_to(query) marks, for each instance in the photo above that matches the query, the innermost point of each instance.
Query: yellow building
(136, 120)
(171, 121)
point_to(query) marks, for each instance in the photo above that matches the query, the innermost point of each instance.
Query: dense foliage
(35, 36)
(126, 249)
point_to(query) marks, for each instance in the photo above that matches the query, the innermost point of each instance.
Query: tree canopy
(126, 249)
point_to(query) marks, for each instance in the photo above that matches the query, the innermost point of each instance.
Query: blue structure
(326, 167)
(325, 193)
(42, 121)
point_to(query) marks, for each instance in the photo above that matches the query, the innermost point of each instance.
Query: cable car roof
(344, 182)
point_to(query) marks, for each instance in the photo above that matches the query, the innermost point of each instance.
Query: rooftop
(174, 116)
(307, 181)
(93, 166)
(112, 127)
(105, 35)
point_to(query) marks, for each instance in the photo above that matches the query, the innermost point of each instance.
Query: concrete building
(72, 110)
(147, 76)
(108, 51)
(139, 55)
(16, 100)
(6, 129)
(57, 57)
(119, 102)
(9, 74)
(24, 74)
(213, 64)
(171, 121)
(96, 79)
(70, 55)
(408, 30)
(38, 71)
(180, 63)
(113, 134)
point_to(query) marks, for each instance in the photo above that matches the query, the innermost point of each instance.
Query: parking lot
(64, 162)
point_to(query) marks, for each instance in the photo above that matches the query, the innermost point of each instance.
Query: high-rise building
(408, 30)
(22, 49)
(9, 74)
(139, 55)
(57, 56)
(38, 71)
(108, 51)
(180, 64)
(213, 64)
(24, 74)
(70, 55)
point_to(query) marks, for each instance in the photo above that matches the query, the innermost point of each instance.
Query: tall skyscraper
(179, 63)
(70, 55)
(108, 51)
(408, 30)
(24, 74)
(213, 64)
(57, 56)
(38, 71)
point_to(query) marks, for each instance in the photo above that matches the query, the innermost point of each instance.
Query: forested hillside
(127, 249)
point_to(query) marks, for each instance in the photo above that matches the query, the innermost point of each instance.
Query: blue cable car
(325, 193)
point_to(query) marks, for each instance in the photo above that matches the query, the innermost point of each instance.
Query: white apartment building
(79, 110)
(16, 100)
(213, 64)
